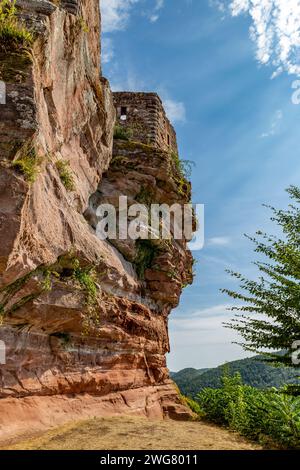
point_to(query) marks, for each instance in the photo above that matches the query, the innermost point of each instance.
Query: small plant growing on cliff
(145, 196)
(28, 164)
(47, 282)
(122, 133)
(184, 167)
(83, 25)
(65, 174)
(87, 279)
(8, 292)
(69, 269)
(14, 35)
(183, 172)
(146, 252)
(2, 314)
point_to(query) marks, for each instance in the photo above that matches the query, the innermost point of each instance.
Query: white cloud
(107, 50)
(115, 14)
(200, 339)
(115, 17)
(275, 30)
(275, 123)
(214, 311)
(175, 110)
(153, 18)
(206, 326)
(219, 4)
(128, 82)
(155, 15)
(207, 315)
(219, 241)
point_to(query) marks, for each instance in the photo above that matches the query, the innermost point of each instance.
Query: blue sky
(237, 124)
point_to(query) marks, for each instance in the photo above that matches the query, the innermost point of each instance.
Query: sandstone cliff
(84, 321)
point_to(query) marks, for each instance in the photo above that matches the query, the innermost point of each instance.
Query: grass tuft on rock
(65, 174)
(122, 133)
(28, 164)
(14, 35)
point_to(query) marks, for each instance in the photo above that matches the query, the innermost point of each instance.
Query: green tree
(271, 305)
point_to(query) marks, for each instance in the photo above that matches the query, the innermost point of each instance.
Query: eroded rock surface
(81, 323)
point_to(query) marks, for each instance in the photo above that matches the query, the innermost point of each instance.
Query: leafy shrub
(65, 174)
(14, 35)
(284, 419)
(257, 414)
(193, 405)
(122, 133)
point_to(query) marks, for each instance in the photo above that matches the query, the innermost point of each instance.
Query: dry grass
(136, 433)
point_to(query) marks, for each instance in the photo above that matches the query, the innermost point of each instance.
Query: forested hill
(254, 372)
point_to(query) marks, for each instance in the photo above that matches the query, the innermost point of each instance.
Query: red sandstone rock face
(106, 349)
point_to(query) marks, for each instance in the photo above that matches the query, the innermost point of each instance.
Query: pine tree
(271, 305)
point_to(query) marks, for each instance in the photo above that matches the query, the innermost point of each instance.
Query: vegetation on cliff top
(14, 36)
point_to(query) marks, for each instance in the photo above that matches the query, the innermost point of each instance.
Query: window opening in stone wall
(123, 116)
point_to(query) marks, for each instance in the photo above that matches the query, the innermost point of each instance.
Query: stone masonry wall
(143, 114)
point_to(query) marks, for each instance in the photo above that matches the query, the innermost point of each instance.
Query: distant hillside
(253, 371)
(188, 374)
